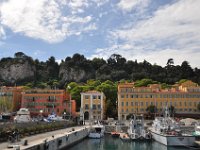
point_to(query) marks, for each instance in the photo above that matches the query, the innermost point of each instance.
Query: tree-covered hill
(22, 70)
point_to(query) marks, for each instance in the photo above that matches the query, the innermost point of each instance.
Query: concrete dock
(49, 140)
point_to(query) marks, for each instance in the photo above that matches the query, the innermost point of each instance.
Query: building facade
(184, 97)
(92, 105)
(10, 99)
(44, 102)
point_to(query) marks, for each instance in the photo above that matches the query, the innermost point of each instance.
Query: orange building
(184, 97)
(45, 101)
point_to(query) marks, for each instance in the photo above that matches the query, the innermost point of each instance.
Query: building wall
(10, 99)
(46, 101)
(93, 103)
(132, 99)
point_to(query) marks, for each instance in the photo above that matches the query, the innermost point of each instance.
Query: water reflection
(110, 143)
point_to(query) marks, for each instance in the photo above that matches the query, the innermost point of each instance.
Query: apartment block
(184, 97)
(45, 101)
(92, 105)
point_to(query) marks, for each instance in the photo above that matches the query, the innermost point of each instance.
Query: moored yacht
(136, 129)
(167, 131)
(97, 131)
(23, 115)
(197, 129)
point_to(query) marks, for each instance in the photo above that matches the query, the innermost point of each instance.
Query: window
(86, 106)
(127, 96)
(122, 110)
(86, 96)
(122, 103)
(94, 97)
(94, 107)
(180, 104)
(126, 103)
(131, 96)
(127, 110)
(99, 97)
(131, 103)
(122, 96)
(185, 103)
(99, 106)
(141, 103)
(147, 104)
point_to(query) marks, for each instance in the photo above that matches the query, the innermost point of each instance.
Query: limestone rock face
(67, 74)
(20, 70)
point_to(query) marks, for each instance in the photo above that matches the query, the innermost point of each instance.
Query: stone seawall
(57, 142)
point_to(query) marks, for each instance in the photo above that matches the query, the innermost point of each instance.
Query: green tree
(198, 107)
(151, 109)
(171, 110)
(144, 82)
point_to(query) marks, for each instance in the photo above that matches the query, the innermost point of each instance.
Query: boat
(197, 130)
(115, 134)
(124, 137)
(167, 131)
(53, 117)
(136, 129)
(118, 129)
(97, 131)
(23, 115)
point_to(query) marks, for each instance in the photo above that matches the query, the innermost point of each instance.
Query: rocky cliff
(15, 70)
(68, 74)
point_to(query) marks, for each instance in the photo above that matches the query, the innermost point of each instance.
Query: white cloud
(129, 5)
(2, 33)
(172, 31)
(44, 19)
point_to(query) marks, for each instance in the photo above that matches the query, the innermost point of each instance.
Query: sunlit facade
(92, 105)
(184, 97)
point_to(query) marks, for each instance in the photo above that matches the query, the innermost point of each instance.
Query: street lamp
(41, 112)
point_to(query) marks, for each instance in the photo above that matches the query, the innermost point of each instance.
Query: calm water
(110, 143)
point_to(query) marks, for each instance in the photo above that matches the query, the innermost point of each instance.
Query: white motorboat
(197, 130)
(53, 117)
(167, 131)
(136, 129)
(97, 131)
(23, 115)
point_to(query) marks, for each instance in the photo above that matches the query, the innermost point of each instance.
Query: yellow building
(184, 97)
(92, 105)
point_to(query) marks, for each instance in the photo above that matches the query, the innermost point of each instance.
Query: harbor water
(110, 143)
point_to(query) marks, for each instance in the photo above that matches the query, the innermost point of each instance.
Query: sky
(152, 30)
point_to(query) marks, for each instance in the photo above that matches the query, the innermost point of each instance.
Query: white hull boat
(167, 131)
(173, 140)
(23, 115)
(97, 131)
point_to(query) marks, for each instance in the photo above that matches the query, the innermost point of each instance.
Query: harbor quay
(53, 140)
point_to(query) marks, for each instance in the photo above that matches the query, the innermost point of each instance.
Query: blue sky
(154, 30)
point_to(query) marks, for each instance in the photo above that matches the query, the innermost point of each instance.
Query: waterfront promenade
(34, 139)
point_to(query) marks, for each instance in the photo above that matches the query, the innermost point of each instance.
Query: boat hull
(174, 140)
(95, 135)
